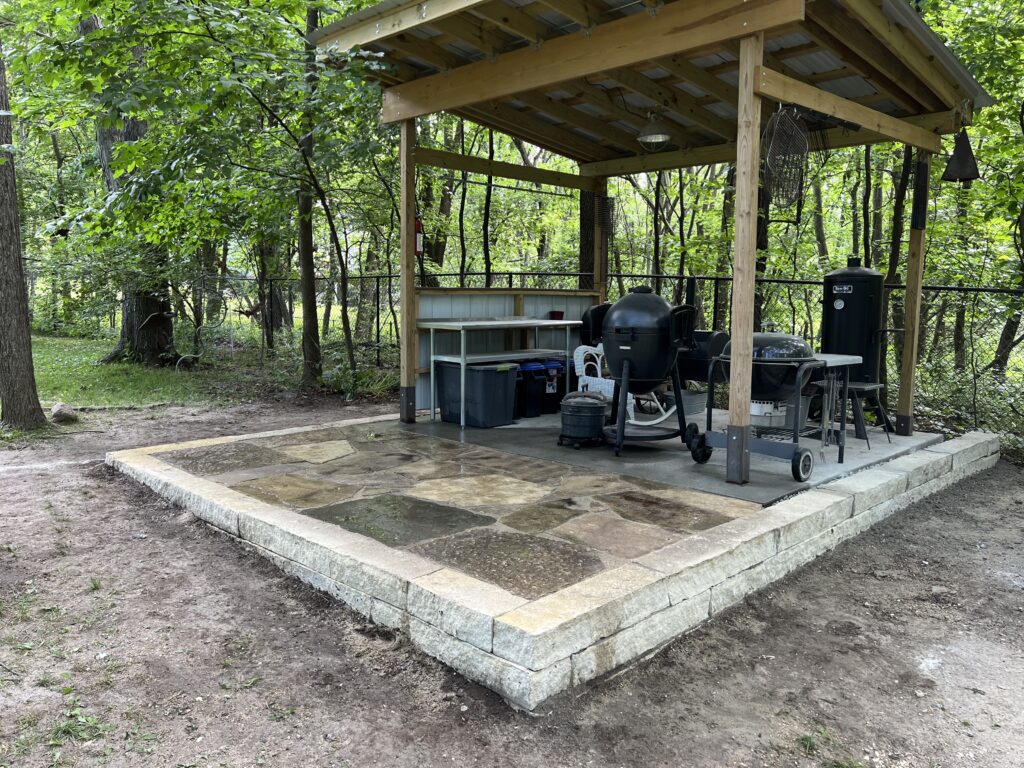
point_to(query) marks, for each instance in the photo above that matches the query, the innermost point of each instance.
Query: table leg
(842, 412)
(433, 386)
(462, 379)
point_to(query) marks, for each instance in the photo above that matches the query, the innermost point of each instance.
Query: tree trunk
(819, 225)
(147, 323)
(866, 205)
(19, 402)
(312, 367)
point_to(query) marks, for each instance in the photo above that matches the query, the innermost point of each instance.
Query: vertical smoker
(851, 318)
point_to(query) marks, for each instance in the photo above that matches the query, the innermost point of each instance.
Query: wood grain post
(407, 273)
(912, 300)
(600, 238)
(748, 159)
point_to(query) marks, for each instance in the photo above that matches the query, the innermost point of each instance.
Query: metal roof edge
(900, 12)
(351, 19)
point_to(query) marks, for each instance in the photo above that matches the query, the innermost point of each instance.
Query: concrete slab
(524, 574)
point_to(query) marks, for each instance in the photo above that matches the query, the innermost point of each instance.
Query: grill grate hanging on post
(784, 150)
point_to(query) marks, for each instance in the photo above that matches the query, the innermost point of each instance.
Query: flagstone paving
(527, 525)
(528, 575)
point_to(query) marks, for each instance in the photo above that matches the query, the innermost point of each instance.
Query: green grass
(66, 371)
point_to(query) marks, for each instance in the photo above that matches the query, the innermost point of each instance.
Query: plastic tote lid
(557, 364)
(495, 367)
(532, 367)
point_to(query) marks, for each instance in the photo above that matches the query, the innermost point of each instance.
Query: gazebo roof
(580, 77)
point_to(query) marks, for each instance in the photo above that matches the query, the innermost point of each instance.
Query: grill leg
(620, 426)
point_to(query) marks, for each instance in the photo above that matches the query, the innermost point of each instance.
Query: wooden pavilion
(579, 78)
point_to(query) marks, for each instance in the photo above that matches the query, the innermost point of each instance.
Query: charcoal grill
(782, 366)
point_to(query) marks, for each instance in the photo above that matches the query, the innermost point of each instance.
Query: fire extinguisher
(419, 236)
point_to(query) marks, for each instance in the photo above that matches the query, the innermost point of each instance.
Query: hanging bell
(962, 166)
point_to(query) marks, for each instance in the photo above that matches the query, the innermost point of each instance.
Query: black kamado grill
(782, 367)
(642, 335)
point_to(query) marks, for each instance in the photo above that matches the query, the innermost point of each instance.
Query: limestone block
(810, 513)
(460, 605)
(920, 467)
(968, 448)
(522, 687)
(541, 632)
(869, 488)
(630, 644)
(736, 587)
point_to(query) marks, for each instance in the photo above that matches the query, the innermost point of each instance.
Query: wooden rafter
(512, 19)
(483, 166)
(939, 123)
(775, 85)
(581, 12)
(677, 28)
(906, 50)
(671, 98)
(685, 71)
(858, 49)
(578, 119)
(381, 26)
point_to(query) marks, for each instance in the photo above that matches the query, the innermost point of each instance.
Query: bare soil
(132, 635)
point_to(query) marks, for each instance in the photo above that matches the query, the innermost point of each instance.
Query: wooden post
(912, 300)
(748, 159)
(600, 238)
(407, 273)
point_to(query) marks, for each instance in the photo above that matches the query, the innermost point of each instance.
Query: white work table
(463, 326)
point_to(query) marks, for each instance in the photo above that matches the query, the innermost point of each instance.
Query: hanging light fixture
(962, 166)
(655, 135)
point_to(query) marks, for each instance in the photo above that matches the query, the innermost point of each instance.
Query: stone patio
(526, 575)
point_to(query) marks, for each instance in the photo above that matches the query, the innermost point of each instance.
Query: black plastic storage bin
(554, 385)
(490, 393)
(530, 388)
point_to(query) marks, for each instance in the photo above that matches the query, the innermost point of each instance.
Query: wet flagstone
(297, 490)
(367, 462)
(523, 468)
(614, 535)
(479, 491)
(536, 518)
(319, 452)
(593, 485)
(398, 520)
(528, 566)
(225, 457)
(670, 514)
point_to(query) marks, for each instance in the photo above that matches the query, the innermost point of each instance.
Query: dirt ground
(132, 635)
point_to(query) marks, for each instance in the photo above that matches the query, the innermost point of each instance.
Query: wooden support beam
(900, 45)
(455, 162)
(836, 138)
(407, 273)
(744, 271)
(912, 296)
(678, 27)
(670, 98)
(425, 51)
(346, 35)
(774, 85)
(600, 239)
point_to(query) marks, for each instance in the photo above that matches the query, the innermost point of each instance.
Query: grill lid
(777, 348)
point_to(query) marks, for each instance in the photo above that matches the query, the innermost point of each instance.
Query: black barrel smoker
(642, 335)
(852, 323)
(851, 318)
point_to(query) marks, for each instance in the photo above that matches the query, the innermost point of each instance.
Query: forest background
(210, 211)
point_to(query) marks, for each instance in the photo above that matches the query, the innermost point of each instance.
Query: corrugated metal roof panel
(849, 87)
(813, 63)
